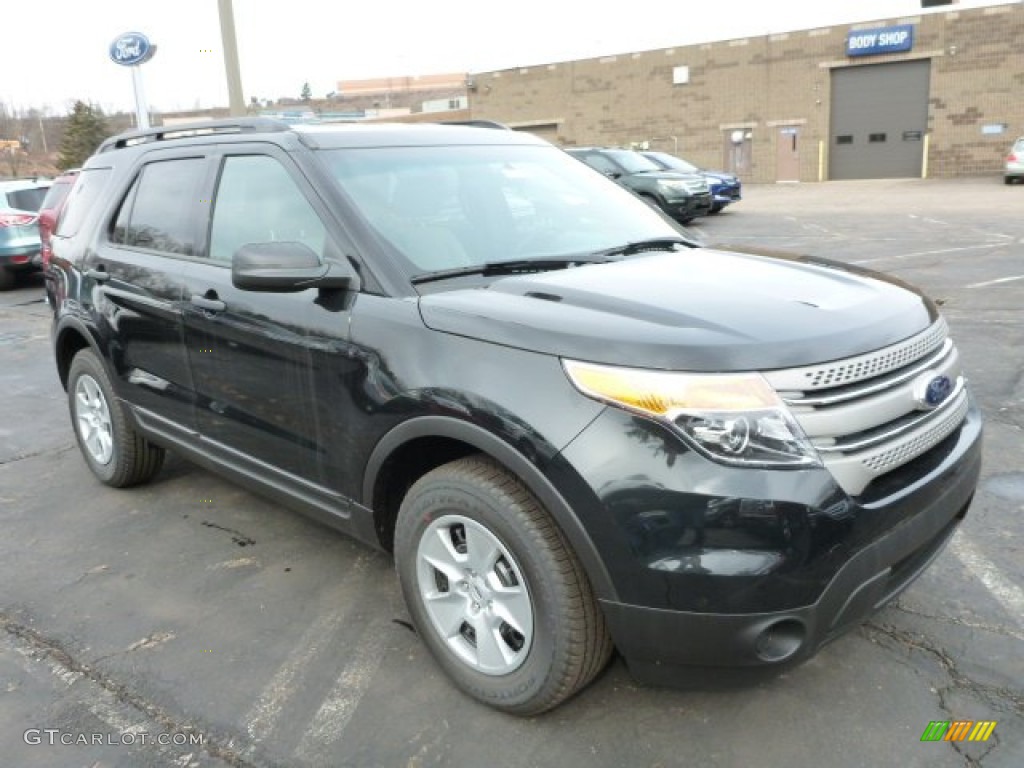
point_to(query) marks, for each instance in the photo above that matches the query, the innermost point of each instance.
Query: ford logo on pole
(930, 390)
(130, 49)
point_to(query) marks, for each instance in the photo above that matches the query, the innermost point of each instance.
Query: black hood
(698, 310)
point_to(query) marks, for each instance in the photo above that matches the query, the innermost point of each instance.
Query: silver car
(1015, 162)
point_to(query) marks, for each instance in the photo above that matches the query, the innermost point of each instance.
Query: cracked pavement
(136, 612)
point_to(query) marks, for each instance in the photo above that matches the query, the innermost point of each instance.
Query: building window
(876, 138)
(844, 139)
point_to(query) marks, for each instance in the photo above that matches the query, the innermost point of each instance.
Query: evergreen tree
(307, 92)
(86, 129)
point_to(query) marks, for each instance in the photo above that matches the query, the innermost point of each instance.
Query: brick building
(940, 94)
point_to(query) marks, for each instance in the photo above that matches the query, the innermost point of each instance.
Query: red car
(53, 203)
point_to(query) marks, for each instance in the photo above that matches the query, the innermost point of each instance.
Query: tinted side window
(85, 194)
(160, 216)
(600, 163)
(258, 202)
(27, 199)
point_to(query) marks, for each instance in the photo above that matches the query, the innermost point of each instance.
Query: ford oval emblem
(130, 49)
(930, 390)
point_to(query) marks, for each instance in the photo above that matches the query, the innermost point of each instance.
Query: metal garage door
(879, 119)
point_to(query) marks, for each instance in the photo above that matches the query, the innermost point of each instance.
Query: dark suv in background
(683, 196)
(574, 428)
(726, 188)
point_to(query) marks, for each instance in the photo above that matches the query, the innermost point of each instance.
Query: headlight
(673, 186)
(734, 418)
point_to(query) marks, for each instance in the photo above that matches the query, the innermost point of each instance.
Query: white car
(1015, 162)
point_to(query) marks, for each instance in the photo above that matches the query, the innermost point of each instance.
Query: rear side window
(84, 195)
(157, 212)
(27, 199)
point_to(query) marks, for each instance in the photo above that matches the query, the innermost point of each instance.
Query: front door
(787, 162)
(250, 353)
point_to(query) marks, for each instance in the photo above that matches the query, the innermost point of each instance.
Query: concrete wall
(758, 84)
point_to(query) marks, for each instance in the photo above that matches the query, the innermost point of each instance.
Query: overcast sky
(59, 52)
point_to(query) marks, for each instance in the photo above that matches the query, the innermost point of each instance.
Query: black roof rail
(478, 124)
(187, 130)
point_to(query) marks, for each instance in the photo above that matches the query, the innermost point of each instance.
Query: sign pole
(141, 108)
(132, 50)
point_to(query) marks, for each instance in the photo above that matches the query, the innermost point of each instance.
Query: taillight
(1012, 158)
(16, 219)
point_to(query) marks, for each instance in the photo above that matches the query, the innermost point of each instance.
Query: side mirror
(613, 174)
(287, 267)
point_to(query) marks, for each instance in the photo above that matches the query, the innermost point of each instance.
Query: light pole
(227, 35)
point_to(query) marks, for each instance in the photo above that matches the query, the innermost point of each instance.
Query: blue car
(725, 188)
(19, 228)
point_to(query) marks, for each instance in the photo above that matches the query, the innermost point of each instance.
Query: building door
(879, 119)
(787, 154)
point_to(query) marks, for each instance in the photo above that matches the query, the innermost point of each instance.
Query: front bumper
(723, 567)
(689, 207)
(725, 194)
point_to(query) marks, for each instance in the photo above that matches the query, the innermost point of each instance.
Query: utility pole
(227, 36)
(42, 132)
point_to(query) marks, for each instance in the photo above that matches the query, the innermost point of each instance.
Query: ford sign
(130, 49)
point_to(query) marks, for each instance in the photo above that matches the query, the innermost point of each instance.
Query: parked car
(19, 231)
(1015, 162)
(49, 213)
(51, 207)
(726, 188)
(683, 196)
(573, 427)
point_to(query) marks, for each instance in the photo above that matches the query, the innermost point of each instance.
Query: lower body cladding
(726, 567)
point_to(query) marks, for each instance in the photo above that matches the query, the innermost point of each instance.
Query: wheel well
(404, 467)
(68, 345)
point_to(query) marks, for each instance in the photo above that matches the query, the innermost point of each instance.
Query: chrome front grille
(865, 366)
(866, 415)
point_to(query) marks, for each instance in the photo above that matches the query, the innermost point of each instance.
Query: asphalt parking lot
(192, 609)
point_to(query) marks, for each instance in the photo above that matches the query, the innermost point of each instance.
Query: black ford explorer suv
(574, 429)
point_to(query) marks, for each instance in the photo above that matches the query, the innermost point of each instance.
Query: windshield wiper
(653, 244)
(510, 267)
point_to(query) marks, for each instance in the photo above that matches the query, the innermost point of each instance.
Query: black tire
(568, 643)
(716, 208)
(7, 279)
(132, 459)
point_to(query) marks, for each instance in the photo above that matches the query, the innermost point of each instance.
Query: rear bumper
(21, 256)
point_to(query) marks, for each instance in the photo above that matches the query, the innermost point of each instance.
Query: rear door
(134, 285)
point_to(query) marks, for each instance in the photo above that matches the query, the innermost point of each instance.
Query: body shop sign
(870, 42)
(130, 49)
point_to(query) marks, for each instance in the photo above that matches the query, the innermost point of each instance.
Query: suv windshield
(446, 208)
(632, 162)
(675, 163)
